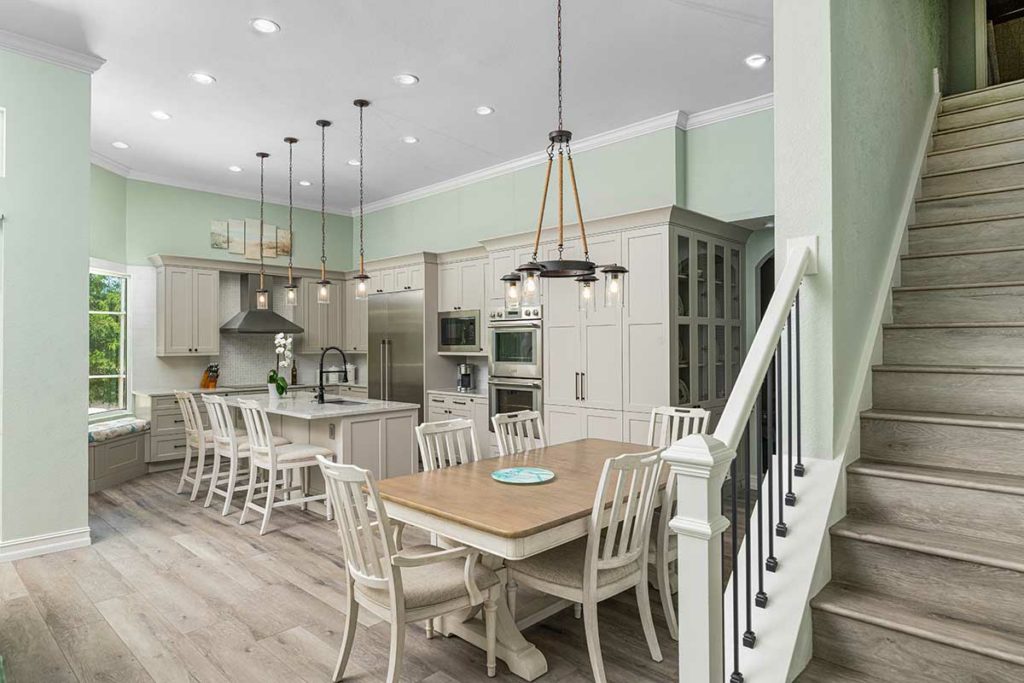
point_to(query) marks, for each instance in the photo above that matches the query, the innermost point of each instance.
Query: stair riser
(982, 235)
(975, 136)
(979, 156)
(975, 304)
(980, 97)
(965, 208)
(991, 112)
(954, 346)
(939, 392)
(943, 445)
(970, 181)
(920, 505)
(995, 266)
(894, 656)
(949, 586)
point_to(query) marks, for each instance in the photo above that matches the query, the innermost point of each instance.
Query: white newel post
(699, 463)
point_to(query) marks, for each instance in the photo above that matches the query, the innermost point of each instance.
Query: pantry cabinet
(569, 423)
(188, 312)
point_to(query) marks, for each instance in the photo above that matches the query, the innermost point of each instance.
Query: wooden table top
(467, 495)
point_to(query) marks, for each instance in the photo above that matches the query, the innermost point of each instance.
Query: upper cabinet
(401, 279)
(461, 286)
(355, 328)
(188, 312)
(321, 323)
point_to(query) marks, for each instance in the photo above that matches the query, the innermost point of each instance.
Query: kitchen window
(108, 344)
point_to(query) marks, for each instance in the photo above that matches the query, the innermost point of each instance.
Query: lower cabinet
(635, 427)
(569, 423)
(117, 460)
(443, 406)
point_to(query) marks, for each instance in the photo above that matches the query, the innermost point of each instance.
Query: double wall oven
(516, 360)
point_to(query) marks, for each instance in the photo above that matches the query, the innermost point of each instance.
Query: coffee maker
(465, 373)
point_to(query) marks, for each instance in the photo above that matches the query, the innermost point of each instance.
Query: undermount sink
(343, 401)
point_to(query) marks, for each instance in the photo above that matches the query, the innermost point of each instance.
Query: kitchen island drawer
(166, 448)
(168, 424)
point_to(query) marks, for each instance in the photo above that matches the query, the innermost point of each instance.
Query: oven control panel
(523, 313)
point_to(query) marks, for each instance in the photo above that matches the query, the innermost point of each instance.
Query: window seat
(101, 431)
(118, 451)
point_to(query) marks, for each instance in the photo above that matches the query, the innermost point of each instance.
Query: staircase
(928, 566)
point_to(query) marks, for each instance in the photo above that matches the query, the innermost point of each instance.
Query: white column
(699, 463)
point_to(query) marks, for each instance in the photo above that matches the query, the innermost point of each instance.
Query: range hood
(251, 320)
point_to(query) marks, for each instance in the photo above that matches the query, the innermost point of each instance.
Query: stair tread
(821, 671)
(959, 285)
(942, 476)
(984, 105)
(968, 93)
(958, 419)
(961, 252)
(954, 325)
(973, 126)
(980, 167)
(916, 619)
(976, 145)
(934, 542)
(967, 221)
(969, 193)
(952, 369)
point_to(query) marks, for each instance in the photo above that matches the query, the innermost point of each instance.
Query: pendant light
(362, 279)
(582, 270)
(291, 290)
(323, 291)
(262, 295)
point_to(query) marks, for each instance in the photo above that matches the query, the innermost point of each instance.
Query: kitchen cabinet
(388, 280)
(461, 286)
(355, 327)
(570, 423)
(442, 406)
(322, 323)
(410, 277)
(188, 312)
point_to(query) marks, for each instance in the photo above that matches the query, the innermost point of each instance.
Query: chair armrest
(472, 557)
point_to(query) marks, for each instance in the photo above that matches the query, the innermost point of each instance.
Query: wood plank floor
(170, 591)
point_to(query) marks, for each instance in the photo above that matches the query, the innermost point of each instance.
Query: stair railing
(700, 464)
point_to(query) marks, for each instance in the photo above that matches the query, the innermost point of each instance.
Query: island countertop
(303, 406)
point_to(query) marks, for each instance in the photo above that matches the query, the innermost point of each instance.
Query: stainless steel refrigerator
(396, 339)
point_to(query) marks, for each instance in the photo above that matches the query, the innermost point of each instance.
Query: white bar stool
(196, 438)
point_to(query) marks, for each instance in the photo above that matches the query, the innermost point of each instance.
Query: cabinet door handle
(577, 386)
(583, 386)
(178, 421)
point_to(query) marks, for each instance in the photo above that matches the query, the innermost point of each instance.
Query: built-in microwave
(459, 332)
(516, 349)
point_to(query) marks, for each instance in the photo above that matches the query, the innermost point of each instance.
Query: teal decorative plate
(523, 475)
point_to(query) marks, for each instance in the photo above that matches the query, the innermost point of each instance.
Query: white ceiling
(625, 61)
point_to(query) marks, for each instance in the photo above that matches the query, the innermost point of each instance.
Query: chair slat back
(447, 443)
(520, 431)
(353, 492)
(193, 419)
(625, 500)
(669, 424)
(225, 438)
(257, 425)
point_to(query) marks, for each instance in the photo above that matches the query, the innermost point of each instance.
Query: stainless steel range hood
(251, 320)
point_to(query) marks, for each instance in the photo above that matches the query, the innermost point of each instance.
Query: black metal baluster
(761, 599)
(799, 469)
(790, 496)
(780, 528)
(772, 563)
(748, 636)
(736, 676)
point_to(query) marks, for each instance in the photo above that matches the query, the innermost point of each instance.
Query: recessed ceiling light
(407, 79)
(235, 169)
(160, 115)
(304, 183)
(756, 61)
(410, 139)
(353, 162)
(117, 144)
(201, 78)
(484, 110)
(264, 25)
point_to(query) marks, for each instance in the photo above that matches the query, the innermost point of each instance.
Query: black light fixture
(291, 289)
(262, 295)
(582, 270)
(323, 292)
(362, 288)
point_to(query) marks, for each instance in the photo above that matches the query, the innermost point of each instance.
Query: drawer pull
(178, 421)
(179, 445)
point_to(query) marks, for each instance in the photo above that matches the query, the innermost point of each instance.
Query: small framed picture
(219, 235)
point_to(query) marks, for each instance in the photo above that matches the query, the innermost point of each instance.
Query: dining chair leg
(185, 468)
(232, 482)
(511, 587)
(577, 610)
(665, 593)
(250, 492)
(490, 630)
(200, 467)
(351, 617)
(397, 645)
(268, 504)
(214, 476)
(593, 641)
(428, 627)
(643, 603)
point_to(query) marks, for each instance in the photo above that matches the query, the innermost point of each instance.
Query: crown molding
(730, 111)
(103, 161)
(54, 54)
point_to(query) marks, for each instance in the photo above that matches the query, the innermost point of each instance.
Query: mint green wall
(729, 168)
(44, 299)
(962, 54)
(626, 176)
(108, 200)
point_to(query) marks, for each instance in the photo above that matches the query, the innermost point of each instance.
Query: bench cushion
(101, 431)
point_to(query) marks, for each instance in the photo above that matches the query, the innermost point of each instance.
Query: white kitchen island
(376, 435)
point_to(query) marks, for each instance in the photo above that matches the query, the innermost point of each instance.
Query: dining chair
(447, 443)
(518, 432)
(198, 439)
(227, 446)
(669, 424)
(612, 558)
(265, 454)
(413, 584)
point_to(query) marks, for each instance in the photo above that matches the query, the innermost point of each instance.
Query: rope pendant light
(323, 292)
(262, 295)
(583, 271)
(291, 289)
(362, 286)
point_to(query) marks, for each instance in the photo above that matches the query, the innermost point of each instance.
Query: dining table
(507, 522)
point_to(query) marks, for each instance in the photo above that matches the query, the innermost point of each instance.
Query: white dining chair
(198, 439)
(447, 443)
(519, 431)
(418, 583)
(230, 447)
(276, 459)
(612, 558)
(669, 424)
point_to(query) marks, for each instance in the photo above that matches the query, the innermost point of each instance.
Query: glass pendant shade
(323, 292)
(291, 294)
(614, 286)
(530, 284)
(362, 286)
(262, 299)
(513, 299)
(587, 296)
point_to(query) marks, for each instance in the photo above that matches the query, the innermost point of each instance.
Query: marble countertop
(162, 391)
(302, 405)
(476, 393)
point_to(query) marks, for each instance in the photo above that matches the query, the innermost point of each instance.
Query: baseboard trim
(44, 544)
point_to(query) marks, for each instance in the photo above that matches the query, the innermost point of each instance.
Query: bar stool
(196, 438)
